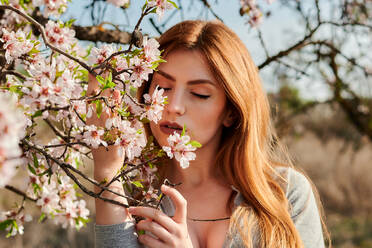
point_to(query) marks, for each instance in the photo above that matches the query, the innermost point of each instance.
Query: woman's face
(195, 99)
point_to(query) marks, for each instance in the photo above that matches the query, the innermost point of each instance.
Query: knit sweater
(303, 211)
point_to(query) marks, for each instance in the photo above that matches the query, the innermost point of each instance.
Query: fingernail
(164, 187)
(131, 210)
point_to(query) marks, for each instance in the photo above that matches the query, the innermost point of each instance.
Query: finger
(92, 84)
(153, 214)
(151, 242)
(151, 226)
(179, 202)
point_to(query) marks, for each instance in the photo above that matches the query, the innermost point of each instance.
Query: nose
(176, 103)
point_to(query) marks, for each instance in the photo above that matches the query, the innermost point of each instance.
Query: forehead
(187, 65)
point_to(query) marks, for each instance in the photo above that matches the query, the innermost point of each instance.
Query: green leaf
(42, 217)
(69, 23)
(100, 80)
(173, 3)
(144, 6)
(31, 169)
(36, 187)
(37, 114)
(183, 130)
(140, 232)
(14, 223)
(153, 10)
(36, 162)
(138, 184)
(29, 35)
(196, 144)
(123, 112)
(5, 224)
(99, 108)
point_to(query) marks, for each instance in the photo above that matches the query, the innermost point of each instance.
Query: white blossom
(181, 148)
(155, 105)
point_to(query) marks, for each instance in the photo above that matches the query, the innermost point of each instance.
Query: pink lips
(170, 127)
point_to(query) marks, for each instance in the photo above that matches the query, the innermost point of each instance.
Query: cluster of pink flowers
(161, 6)
(59, 35)
(56, 197)
(52, 83)
(51, 7)
(131, 140)
(181, 148)
(16, 44)
(16, 219)
(134, 69)
(155, 105)
(12, 130)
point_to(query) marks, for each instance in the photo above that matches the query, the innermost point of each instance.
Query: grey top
(304, 213)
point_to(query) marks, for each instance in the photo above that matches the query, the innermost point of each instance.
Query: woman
(237, 193)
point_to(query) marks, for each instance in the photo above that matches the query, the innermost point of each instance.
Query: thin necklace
(226, 218)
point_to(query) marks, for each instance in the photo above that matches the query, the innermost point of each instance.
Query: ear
(229, 118)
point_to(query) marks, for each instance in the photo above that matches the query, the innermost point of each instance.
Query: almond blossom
(16, 44)
(250, 8)
(181, 148)
(161, 6)
(57, 197)
(60, 36)
(98, 55)
(151, 49)
(156, 105)
(119, 3)
(51, 7)
(140, 71)
(16, 219)
(92, 136)
(131, 141)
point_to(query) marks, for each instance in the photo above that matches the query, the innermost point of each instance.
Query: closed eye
(164, 88)
(201, 96)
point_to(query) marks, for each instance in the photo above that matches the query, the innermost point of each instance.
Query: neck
(201, 172)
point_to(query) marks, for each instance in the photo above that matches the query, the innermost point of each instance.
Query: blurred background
(315, 62)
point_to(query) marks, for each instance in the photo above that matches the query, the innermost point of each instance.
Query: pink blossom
(59, 35)
(15, 44)
(98, 55)
(180, 148)
(131, 140)
(140, 71)
(150, 49)
(52, 7)
(118, 3)
(156, 105)
(19, 216)
(161, 6)
(93, 135)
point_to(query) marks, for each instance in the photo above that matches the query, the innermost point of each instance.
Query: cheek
(155, 131)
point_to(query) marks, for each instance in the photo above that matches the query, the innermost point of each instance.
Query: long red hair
(247, 156)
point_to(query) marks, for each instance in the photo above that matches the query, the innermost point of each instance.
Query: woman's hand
(166, 231)
(107, 163)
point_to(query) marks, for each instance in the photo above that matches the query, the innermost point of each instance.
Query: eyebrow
(191, 82)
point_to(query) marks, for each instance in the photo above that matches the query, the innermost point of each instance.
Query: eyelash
(204, 97)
